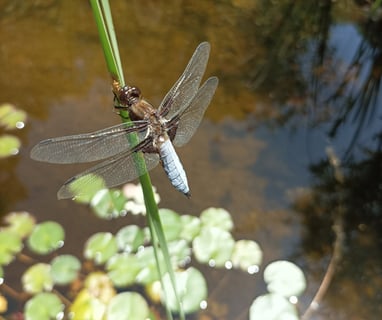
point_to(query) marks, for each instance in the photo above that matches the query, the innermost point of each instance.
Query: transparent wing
(184, 90)
(114, 171)
(190, 118)
(89, 147)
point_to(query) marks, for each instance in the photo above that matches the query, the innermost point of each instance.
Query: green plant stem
(104, 22)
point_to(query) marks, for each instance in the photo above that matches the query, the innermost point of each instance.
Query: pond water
(295, 79)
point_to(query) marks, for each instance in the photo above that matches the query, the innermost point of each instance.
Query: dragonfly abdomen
(173, 167)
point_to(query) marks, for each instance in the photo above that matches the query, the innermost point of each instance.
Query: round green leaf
(247, 255)
(123, 269)
(100, 286)
(171, 223)
(284, 278)
(129, 238)
(100, 247)
(85, 191)
(44, 306)
(216, 217)
(20, 223)
(11, 117)
(65, 269)
(9, 145)
(127, 306)
(148, 272)
(213, 245)
(192, 290)
(37, 278)
(86, 306)
(180, 253)
(272, 307)
(190, 227)
(10, 245)
(108, 204)
(46, 237)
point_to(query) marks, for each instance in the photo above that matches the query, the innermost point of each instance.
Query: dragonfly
(151, 133)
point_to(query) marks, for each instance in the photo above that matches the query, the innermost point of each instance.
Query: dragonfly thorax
(128, 96)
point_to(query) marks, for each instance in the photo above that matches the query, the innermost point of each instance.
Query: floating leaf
(46, 237)
(216, 217)
(213, 245)
(284, 278)
(9, 145)
(192, 290)
(86, 306)
(11, 117)
(20, 223)
(44, 306)
(84, 190)
(3, 304)
(123, 269)
(129, 238)
(100, 247)
(171, 223)
(180, 253)
(37, 278)
(148, 272)
(127, 306)
(272, 307)
(100, 286)
(108, 204)
(136, 203)
(10, 245)
(190, 227)
(65, 269)
(246, 254)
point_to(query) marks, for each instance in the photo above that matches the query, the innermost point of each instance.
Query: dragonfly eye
(129, 95)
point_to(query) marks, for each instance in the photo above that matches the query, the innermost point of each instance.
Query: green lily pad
(37, 278)
(190, 227)
(20, 223)
(44, 306)
(46, 237)
(65, 269)
(247, 255)
(192, 290)
(284, 278)
(10, 245)
(217, 217)
(86, 187)
(108, 204)
(86, 306)
(272, 307)
(180, 253)
(148, 272)
(100, 247)
(123, 269)
(100, 286)
(11, 117)
(171, 223)
(9, 145)
(127, 306)
(213, 246)
(129, 238)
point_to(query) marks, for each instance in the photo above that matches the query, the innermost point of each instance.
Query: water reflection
(285, 64)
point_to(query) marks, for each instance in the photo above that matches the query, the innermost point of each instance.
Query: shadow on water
(295, 77)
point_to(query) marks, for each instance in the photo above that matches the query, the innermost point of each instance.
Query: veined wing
(117, 170)
(185, 88)
(190, 117)
(89, 147)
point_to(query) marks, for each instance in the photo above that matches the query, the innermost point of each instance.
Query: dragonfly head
(128, 96)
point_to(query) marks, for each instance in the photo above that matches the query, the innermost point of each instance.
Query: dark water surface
(295, 78)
